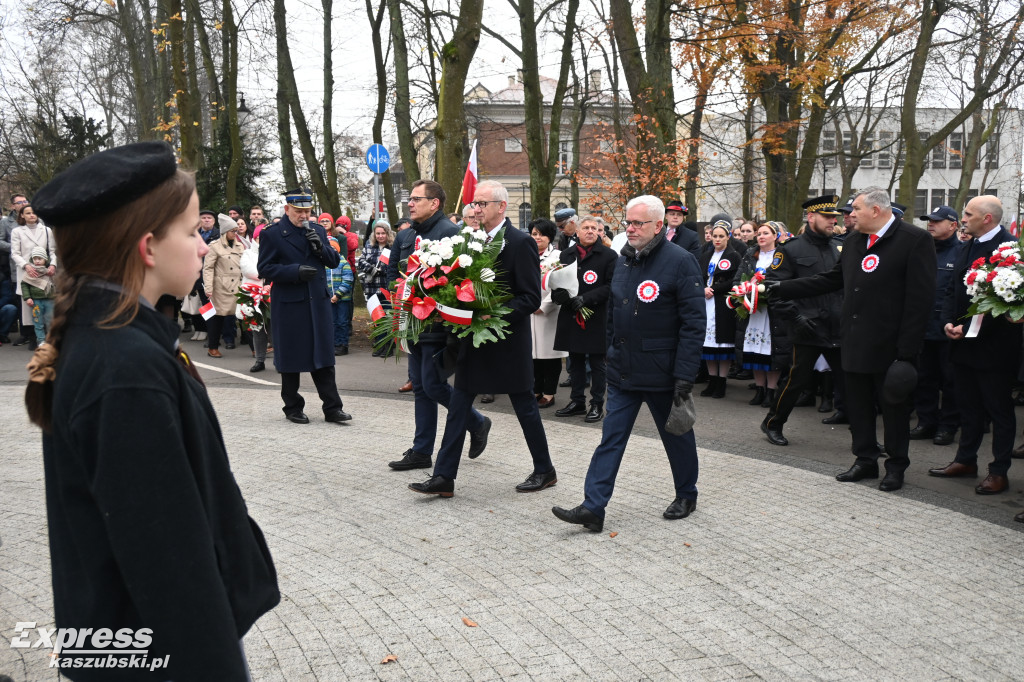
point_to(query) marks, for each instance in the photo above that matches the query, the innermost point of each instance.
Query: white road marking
(237, 375)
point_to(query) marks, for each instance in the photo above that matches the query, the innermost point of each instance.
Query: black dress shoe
(805, 399)
(258, 366)
(595, 413)
(297, 418)
(680, 509)
(921, 432)
(537, 482)
(338, 416)
(573, 408)
(774, 435)
(478, 440)
(1019, 518)
(581, 516)
(892, 480)
(838, 418)
(744, 375)
(944, 437)
(229, 346)
(1018, 452)
(435, 485)
(411, 460)
(21, 342)
(565, 384)
(858, 472)
(486, 397)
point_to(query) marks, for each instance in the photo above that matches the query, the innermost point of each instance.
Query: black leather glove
(803, 326)
(682, 392)
(771, 289)
(560, 296)
(314, 240)
(575, 303)
(307, 272)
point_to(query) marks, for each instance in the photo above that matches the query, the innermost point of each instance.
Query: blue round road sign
(377, 158)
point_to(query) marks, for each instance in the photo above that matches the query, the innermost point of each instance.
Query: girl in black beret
(149, 533)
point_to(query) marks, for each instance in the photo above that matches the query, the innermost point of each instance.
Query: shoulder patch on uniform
(777, 261)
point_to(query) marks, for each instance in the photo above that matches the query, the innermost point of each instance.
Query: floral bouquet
(744, 297)
(556, 275)
(451, 281)
(996, 283)
(253, 307)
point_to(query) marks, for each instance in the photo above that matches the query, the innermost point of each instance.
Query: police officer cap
(900, 382)
(299, 198)
(676, 205)
(564, 214)
(942, 213)
(104, 182)
(825, 205)
(848, 206)
(898, 209)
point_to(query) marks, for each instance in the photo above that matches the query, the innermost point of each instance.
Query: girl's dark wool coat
(598, 266)
(721, 283)
(147, 526)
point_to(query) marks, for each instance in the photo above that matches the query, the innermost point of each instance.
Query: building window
(867, 146)
(605, 146)
(560, 205)
(847, 143)
(992, 191)
(923, 137)
(524, 215)
(920, 204)
(956, 150)
(513, 144)
(828, 149)
(992, 151)
(939, 157)
(971, 193)
(564, 157)
(938, 199)
(884, 158)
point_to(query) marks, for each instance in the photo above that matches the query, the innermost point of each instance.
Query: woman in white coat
(30, 234)
(258, 339)
(547, 362)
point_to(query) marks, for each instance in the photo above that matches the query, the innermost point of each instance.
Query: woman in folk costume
(720, 264)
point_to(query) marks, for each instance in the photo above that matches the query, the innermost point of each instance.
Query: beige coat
(222, 275)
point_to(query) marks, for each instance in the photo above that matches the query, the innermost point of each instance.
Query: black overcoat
(721, 283)
(688, 239)
(887, 295)
(807, 255)
(147, 526)
(594, 273)
(506, 366)
(303, 324)
(998, 343)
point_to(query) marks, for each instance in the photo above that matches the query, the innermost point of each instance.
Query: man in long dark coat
(293, 256)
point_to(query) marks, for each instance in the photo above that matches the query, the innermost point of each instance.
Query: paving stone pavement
(781, 573)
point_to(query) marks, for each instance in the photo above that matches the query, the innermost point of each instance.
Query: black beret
(104, 182)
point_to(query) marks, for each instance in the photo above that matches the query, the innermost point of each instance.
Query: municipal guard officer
(293, 256)
(655, 333)
(813, 322)
(887, 274)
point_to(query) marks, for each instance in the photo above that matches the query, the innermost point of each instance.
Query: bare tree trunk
(231, 96)
(189, 137)
(981, 133)
(376, 22)
(330, 163)
(403, 116)
(450, 131)
(284, 126)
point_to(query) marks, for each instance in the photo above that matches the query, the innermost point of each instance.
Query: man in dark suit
(985, 351)
(293, 255)
(675, 214)
(887, 273)
(504, 366)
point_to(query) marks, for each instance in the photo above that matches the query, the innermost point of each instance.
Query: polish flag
(207, 311)
(469, 182)
(385, 256)
(373, 305)
(455, 315)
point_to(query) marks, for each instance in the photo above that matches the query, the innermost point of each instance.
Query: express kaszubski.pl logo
(90, 648)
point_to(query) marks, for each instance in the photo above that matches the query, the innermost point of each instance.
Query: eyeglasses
(482, 204)
(636, 224)
(413, 200)
(21, 203)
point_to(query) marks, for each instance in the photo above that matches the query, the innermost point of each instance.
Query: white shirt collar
(885, 228)
(991, 234)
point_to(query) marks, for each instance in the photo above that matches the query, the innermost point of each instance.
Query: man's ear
(145, 247)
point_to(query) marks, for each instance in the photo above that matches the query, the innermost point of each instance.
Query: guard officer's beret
(104, 182)
(564, 214)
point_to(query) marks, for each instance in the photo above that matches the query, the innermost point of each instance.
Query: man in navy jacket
(656, 321)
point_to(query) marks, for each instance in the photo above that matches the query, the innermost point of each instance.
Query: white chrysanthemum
(476, 246)
(465, 260)
(446, 252)
(1009, 245)
(487, 275)
(433, 260)
(1007, 285)
(239, 314)
(458, 239)
(468, 229)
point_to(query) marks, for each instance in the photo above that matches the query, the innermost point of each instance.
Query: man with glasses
(657, 323)
(430, 387)
(504, 366)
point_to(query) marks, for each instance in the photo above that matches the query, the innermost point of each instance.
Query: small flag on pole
(207, 311)
(385, 256)
(374, 306)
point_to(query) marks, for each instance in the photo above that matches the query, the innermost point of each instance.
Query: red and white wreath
(589, 276)
(869, 263)
(648, 291)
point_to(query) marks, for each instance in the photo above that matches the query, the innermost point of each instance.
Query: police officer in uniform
(293, 255)
(813, 322)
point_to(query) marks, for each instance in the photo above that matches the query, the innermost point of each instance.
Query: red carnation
(994, 258)
(978, 263)
(991, 276)
(1009, 260)
(971, 276)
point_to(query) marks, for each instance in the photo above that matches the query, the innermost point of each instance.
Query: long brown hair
(103, 248)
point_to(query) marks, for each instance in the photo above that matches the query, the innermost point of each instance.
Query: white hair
(655, 206)
(875, 196)
(468, 210)
(498, 191)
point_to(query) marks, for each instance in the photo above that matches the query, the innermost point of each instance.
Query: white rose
(465, 260)
(476, 246)
(487, 275)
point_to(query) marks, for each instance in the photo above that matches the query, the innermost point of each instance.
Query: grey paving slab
(781, 573)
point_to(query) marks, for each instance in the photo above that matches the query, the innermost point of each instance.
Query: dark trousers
(460, 412)
(9, 306)
(430, 389)
(326, 387)
(216, 326)
(578, 376)
(862, 392)
(545, 375)
(935, 379)
(801, 370)
(986, 393)
(622, 410)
